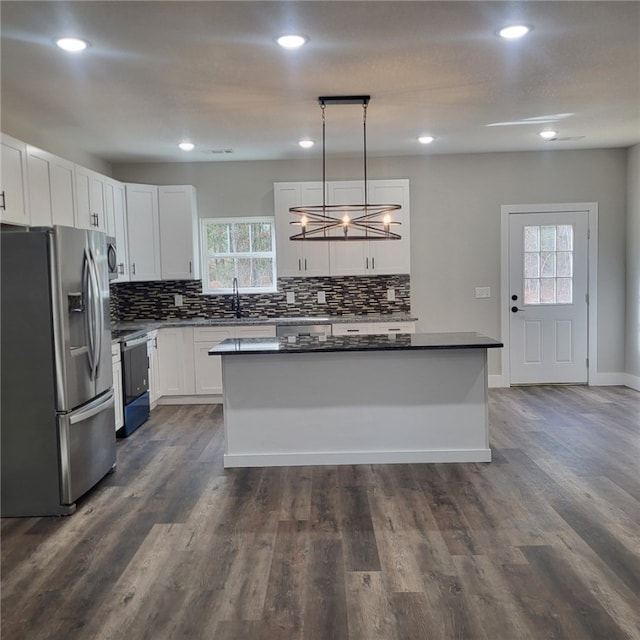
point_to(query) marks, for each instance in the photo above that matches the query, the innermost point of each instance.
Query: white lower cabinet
(175, 361)
(208, 369)
(185, 366)
(154, 378)
(118, 406)
(372, 328)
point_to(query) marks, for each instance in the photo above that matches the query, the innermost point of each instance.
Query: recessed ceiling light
(186, 146)
(73, 45)
(306, 144)
(514, 31)
(426, 139)
(549, 135)
(292, 41)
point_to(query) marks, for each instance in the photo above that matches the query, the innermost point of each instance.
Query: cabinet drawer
(392, 327)
(255, 332)
(349, 329)
(212, 335)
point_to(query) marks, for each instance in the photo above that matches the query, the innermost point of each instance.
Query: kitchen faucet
(235, 300)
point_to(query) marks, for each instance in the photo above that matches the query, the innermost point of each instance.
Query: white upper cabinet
(391, 256)
(297, 258)
(14, 208)
(179, 233)
(116, 213)
(51, 183)
(373, 257)
(341, 257)
(143, 230)
(90, 209)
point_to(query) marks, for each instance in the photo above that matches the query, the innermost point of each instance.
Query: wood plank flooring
(544, 542)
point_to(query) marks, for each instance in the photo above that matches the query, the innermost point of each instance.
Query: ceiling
(209, 71)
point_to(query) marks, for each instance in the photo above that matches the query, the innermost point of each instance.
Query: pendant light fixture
(331, 222)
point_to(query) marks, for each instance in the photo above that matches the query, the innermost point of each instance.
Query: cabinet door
(391, 256)
(297, 258)
(39, 187)
(347, 258)
(175, 361)
(179, 233)
(143, 232)
(116, 215)
(154, 380)
(14, 207)
(90, 209)
(208, 369)
(62, 175)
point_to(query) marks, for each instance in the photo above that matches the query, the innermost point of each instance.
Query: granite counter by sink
(150, 325)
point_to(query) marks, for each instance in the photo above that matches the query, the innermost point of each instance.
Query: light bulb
(72, 45)
(514, 31)
(306, 144)
(291, 41)
(186, 146)
(303, 221)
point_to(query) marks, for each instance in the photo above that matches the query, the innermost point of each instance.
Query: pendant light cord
(364, 151)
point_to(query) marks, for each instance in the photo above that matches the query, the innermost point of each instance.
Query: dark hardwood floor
(544, 542)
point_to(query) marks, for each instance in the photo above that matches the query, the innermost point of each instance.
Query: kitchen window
(242, 248)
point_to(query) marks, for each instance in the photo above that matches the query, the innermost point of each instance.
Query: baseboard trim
(190, 400)
(633, 382)
(497, 380)
(607, 379)
(305, 458)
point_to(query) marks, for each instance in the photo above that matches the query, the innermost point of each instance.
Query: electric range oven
(135, 379)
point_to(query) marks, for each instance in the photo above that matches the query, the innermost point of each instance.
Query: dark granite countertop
(315, 344)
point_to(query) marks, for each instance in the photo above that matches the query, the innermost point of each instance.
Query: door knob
(515, 309)
(514, 297)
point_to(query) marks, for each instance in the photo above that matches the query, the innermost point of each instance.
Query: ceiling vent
(221, 151)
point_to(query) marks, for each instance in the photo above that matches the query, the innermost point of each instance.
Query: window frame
(204, 253)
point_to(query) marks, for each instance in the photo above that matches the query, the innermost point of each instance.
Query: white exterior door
(548, 284)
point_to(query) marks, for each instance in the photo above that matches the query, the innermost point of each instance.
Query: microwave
(112, 258)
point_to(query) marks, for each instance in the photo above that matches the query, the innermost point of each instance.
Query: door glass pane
(564, 291)
(548, 264)
(531, 265)
(548, 238)
(532, 291)
(564, 237)
(547, 290)
(532, 238)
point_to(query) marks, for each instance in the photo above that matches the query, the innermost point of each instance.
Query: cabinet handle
(367, 263)
(299, 264)
(305, 264)
(373, 263)
(353, 330)
(3, 206)
(189, 266)
(133, 268)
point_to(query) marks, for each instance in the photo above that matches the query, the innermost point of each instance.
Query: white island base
(371, 407)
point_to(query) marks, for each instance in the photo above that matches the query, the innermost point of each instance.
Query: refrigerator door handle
(87, 294)
(93, 408)
(97, 321)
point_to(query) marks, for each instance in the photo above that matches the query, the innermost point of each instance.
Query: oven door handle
(129, 344)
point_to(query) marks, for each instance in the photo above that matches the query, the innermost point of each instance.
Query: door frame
(504, 379)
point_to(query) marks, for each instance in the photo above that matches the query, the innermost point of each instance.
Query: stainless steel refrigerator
(57, 431)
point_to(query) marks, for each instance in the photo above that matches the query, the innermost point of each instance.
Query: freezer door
(87, 446)
(81, 320)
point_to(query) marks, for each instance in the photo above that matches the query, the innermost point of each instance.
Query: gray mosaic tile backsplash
(349, 295)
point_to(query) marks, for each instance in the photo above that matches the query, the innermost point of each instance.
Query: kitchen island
(355, 399)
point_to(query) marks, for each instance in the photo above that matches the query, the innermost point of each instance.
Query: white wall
(455, 221)
(632, 361)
